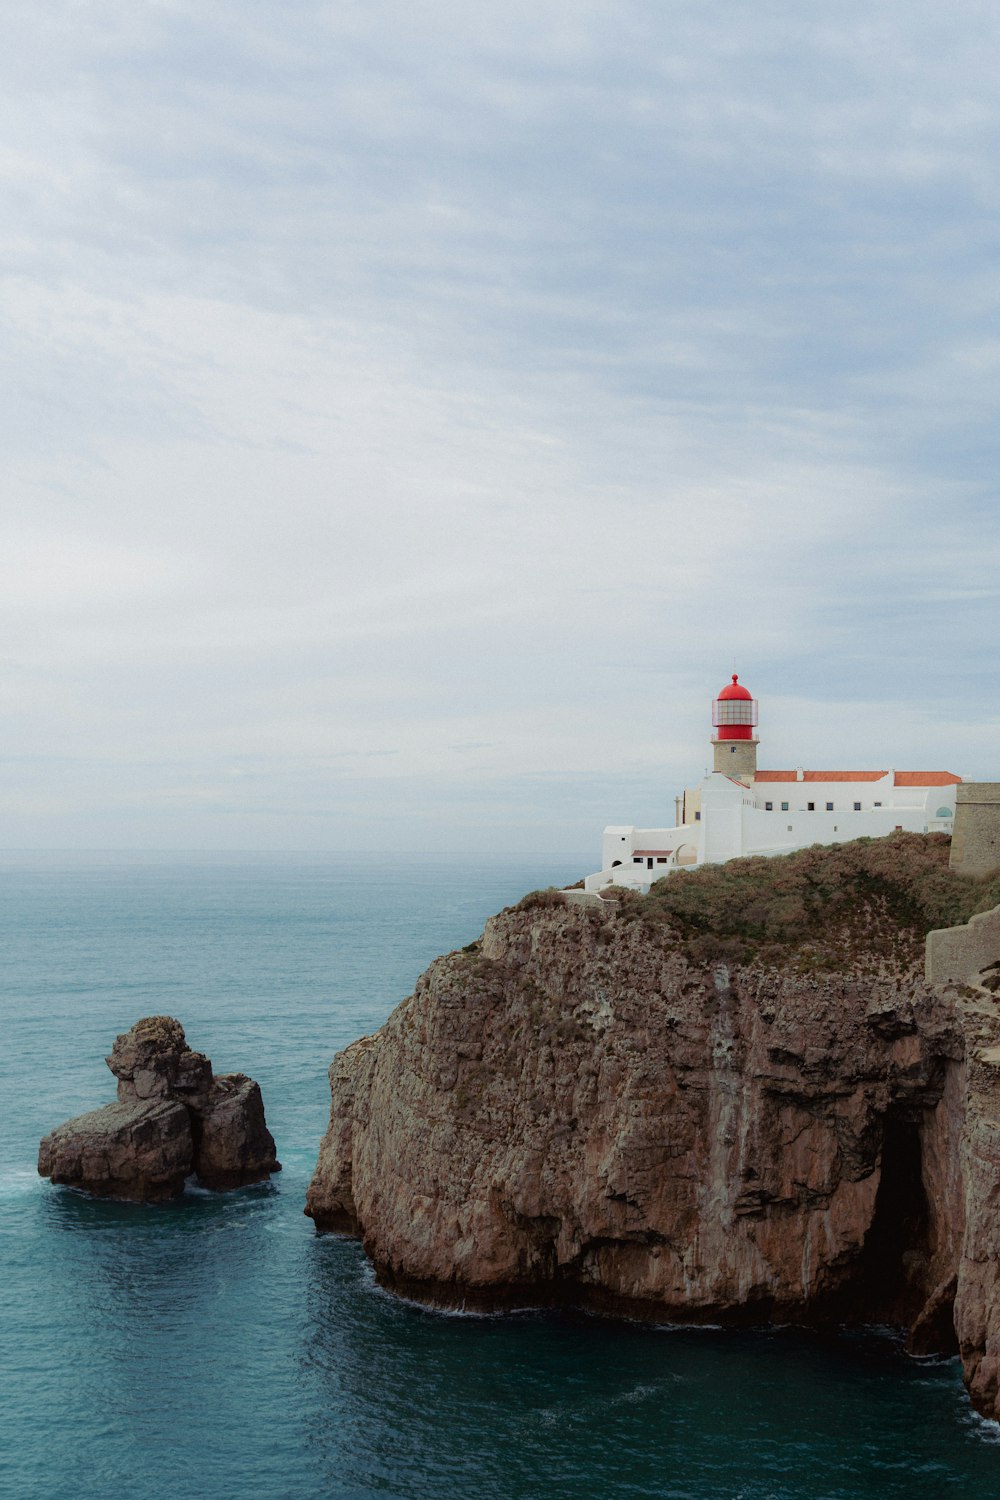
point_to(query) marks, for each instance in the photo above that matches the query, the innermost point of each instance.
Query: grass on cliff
(871, 900)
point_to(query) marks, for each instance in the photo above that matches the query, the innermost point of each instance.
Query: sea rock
(235, 1145)
(141, 1151)
(154, 1061)
(172, 1118)
(577, 1112)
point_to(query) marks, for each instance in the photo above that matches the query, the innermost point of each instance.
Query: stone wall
(975, 842)
(958, 955)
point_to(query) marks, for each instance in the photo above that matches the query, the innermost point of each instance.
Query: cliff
(735, 1099)
(172, 1118)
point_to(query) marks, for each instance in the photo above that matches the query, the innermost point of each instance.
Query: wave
(368, 1279)
(987, 1429)
(19, 1182)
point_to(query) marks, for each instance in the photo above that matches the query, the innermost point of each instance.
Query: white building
(738, 810)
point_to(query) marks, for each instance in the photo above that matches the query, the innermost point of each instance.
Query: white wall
(844, 794)
(778, 832)
(734, 821)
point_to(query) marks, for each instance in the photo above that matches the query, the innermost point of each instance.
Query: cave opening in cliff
(891, 1284)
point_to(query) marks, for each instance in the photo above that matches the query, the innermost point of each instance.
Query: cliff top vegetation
(829, 906)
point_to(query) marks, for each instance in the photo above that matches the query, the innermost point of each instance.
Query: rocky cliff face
(172, 1118)
(576, 1110)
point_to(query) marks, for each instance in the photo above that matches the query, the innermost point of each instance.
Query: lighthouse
(734, 719)
(738, 811)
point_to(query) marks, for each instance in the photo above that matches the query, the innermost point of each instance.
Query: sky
(415, 412)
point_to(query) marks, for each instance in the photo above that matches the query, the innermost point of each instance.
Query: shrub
(551, 896)
(868, 899)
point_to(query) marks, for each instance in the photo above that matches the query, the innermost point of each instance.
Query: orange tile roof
(901, 778)
(821, 775)
(927, 778)
(651, 853)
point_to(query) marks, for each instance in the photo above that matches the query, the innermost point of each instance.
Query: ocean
(220, 1347)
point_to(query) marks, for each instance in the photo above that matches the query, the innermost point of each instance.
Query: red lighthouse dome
(734, 712)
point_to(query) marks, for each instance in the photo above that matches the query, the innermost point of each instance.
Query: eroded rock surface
(575, 1111)
(172, 1118)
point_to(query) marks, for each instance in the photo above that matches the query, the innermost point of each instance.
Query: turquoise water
(219, 1347)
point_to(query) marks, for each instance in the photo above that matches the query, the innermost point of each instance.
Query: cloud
(414, 402)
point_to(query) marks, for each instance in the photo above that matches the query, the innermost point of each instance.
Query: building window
(878, 804)
(789, 828)
(829, 807)
(732, 749)
(810, 807)
(769, 807)
(697, 817)
(661, 859)
(857, 807)
(637, 859)
(784, 807)
(899, 827)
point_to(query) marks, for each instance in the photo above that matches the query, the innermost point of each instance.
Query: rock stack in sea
(172, 1118)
